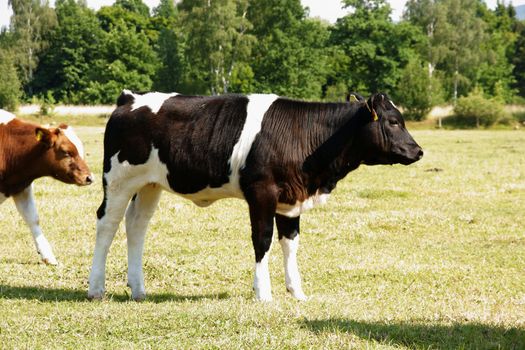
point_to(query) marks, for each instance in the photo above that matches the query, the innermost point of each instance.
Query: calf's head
(64, 158)
(384, 138)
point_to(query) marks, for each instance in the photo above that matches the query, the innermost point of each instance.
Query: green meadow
(429, 256)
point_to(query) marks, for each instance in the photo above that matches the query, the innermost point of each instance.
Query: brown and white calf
(281, 156)
(29, 151)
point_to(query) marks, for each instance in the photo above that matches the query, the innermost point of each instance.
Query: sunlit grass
(426, 256)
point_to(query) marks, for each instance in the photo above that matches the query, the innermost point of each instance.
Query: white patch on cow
(258, 104)
(6, 117)
(291, 271)
(261, 281)
(72, 136)
(298, 208)
(130, 178)
(152, 100)
(392, 103)
(2, 198)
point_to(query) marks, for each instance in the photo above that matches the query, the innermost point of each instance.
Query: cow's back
(193, 135)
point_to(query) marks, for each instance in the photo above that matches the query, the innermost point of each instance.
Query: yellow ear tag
(373, 111)
(353, 98)
(39, 135)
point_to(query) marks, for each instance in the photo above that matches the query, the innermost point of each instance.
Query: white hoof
(299, 295)
(51, 260)
(96, 293)
(264, 297)
(139, 296)
(138, 293)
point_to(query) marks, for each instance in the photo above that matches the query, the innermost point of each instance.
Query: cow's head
(64, 158)
(384, 137)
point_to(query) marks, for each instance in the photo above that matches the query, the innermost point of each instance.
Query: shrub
(477, 110)
(10, 88)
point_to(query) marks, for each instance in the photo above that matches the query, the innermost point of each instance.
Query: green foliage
(415, 90)
(31, 24)
(267, 46)
(47, 104)
(217, 40)
(67, 67)
(127, 62)
(10, 87)
(476, 110)
(376, 48)
(518, 58)
(289, 57)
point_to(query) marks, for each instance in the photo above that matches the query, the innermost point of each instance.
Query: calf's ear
(371, 107)
(354, 97)
(45, 136)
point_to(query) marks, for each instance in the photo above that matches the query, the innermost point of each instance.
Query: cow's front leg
(138, 215)
(262, 212)
(25, 203)
(288, 229)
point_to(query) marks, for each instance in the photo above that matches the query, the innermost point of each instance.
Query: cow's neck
(335, 158)
(23, 162)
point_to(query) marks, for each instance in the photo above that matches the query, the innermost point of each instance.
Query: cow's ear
(370, 105)
(45, 136)
(354, 97)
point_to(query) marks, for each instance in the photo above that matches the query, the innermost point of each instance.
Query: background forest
(439, 51)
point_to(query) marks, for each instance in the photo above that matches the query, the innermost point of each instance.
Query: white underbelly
(294, 210)
(209, 195)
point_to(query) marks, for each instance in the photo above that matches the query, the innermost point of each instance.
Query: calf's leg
(262, 204)
(109, 215)
(138, 215)
(288, 229)
(25, 203)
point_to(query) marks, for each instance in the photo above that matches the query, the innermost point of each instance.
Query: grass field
(430, 256)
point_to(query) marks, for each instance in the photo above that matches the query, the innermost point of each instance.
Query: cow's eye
(394, 122)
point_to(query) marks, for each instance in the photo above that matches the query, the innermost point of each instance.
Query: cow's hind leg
(25, 203)
(288, 229)
(138, 215)
(262, 204)
(109, 214)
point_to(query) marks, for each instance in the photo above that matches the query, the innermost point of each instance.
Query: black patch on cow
(124, 99)
(101, 211)
(287, 227)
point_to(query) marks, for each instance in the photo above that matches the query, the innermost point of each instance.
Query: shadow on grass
(54, 295)
(427, 336)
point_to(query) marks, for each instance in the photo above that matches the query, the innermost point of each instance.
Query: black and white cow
(281, 156)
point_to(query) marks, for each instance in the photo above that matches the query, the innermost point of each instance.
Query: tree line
(440, 50)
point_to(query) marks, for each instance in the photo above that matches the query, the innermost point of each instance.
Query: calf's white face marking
(6, 117)
(152, 100)
(72, 136)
